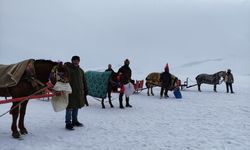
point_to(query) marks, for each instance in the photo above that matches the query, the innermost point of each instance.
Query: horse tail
(198, 79)
(151, 79)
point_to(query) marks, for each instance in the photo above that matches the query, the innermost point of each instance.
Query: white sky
(103, 32)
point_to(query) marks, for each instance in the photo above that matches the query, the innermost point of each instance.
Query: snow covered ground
(206, 120)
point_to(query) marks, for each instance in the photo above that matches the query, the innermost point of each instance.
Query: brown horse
(28, 84)
(153, 79)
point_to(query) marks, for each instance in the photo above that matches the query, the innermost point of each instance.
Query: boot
(120, 101)
(69, 126)
(127, 102)
(77, 124)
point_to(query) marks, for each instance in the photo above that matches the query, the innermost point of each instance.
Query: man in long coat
(165, 79)
(125, 74)
(77, 98)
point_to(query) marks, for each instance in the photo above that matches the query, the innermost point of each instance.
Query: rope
(26, 99)
(105, 101)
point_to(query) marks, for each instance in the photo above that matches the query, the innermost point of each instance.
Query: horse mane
(217, 73)
(45, 61)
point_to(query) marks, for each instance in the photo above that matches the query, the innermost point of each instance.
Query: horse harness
(30, 76)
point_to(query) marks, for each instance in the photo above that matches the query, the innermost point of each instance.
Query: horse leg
(21, 126)
(148, 86)
(148, 91)
(199, 87)
(152, 91)
(103, 106)
(86, 101)
(14, 113)
(215, 88)
(109, 97)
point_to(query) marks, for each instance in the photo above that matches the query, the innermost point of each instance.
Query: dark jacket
(112, 72)
(126, 74)
(78, 84)
(165, 79)
(229, 78)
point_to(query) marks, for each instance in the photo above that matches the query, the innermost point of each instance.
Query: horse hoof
(112, 106)
(16, 135)
(103, 107)
(23, 131)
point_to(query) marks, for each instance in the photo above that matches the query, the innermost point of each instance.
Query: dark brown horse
(28, 84)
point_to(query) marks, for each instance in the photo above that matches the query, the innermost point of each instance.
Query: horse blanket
(97, 83)
(210, 78)
(10, 75)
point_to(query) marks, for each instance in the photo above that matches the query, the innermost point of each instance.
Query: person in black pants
(165, 79)
(229, 80)
(125, 74)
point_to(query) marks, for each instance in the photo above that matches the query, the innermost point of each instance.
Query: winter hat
(75, 58)
(126, 62)
(166, 68)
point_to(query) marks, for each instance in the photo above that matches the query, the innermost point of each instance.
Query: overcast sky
(111, 30)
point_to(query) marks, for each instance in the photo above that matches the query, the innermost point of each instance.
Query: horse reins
(105, 101)
(26, 99)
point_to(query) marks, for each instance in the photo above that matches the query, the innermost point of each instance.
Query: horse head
(222, 74)
(43, 69)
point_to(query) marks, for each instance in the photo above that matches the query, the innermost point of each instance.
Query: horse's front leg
(148, 91)
(199, 87)
(14, 113)
(109, 97)
(21, 126)
(103, 106)
(86, 101)
(215, 90)
(152, 91)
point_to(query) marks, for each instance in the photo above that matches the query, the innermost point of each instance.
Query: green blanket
(97, 83)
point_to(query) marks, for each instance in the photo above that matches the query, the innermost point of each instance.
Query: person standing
(110, 69)
(229, 80)
(165, 79)
(125, 74)
(77, 98)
